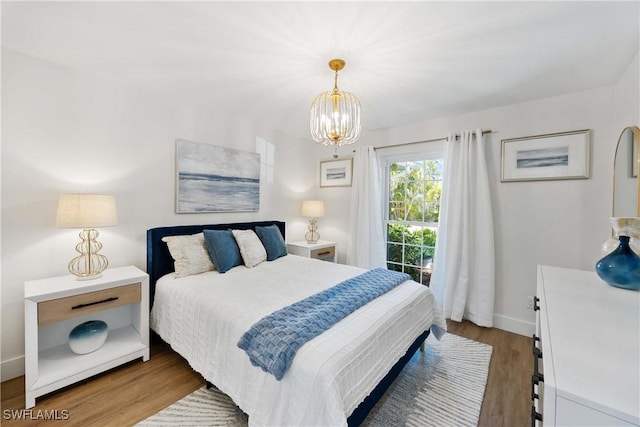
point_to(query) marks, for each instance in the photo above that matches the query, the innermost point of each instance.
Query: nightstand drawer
(323, 253)
(322, 250)
(78, 305)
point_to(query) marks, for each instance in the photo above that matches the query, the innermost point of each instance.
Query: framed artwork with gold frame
(336, 173)
(563, 155)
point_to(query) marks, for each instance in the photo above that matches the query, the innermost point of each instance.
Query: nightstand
(322, 250)
(54, 306)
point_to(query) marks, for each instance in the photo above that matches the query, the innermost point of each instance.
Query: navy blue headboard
(159, 261)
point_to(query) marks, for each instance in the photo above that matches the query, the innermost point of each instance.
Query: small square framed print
(336, 173)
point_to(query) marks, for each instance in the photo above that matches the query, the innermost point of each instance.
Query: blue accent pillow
(223, 249)
(272, 241)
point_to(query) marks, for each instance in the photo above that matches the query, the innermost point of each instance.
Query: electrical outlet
(530, 303)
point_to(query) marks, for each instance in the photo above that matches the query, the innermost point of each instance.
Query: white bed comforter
(203, 317)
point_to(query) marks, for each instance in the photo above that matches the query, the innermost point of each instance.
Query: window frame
(431, 150)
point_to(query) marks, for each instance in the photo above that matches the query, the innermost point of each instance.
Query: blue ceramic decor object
(88, 336)
(621, 268)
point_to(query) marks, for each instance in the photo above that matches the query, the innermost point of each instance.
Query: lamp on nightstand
(87, 211)
(313, 209)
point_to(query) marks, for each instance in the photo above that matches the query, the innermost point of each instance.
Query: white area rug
(443, 386)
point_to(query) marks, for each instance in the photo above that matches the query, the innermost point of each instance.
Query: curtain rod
(484, 132)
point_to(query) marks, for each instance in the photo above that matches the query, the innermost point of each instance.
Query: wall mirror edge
(626, 182)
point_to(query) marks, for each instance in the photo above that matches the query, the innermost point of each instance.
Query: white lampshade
(86, 211)
(313, 208)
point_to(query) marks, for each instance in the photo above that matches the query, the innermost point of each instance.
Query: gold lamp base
(312, 235)
(89, 264)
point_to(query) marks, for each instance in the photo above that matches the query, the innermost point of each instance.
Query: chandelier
(335, 115)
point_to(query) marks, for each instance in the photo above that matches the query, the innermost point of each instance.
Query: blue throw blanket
(273, 341)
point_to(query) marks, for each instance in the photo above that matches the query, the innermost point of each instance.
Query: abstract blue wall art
(216, 179)
(544, 157)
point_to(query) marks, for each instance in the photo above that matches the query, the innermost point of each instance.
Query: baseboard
(514, 325)
(12, 368)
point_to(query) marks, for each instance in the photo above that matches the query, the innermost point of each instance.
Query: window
(414, 186)
(267, 159)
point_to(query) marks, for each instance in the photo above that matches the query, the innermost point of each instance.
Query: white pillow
(251, 248)
(189, 254)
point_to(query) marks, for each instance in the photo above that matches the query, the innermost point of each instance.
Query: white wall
(65, 131)
(561, 223)
(627, 96)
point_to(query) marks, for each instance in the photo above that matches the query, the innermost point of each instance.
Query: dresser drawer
(78, 305)
(537, 384)
(323, 253)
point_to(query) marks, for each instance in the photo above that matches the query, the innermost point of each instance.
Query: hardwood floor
(131, 393)
(507, 398)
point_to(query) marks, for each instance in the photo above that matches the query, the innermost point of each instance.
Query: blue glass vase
(621, 268)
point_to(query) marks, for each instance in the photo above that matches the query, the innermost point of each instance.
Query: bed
(335, 378)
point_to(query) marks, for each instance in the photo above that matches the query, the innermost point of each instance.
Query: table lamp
(88, 212)
(312, 209)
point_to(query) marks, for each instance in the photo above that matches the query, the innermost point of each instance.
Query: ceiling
(266, 61)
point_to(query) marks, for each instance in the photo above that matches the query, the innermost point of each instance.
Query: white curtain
(366, 242)
(463, 278)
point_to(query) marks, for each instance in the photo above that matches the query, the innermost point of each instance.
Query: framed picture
(216, 179)
(562, 155)
(336, 173)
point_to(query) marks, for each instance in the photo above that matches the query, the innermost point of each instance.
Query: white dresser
(589, 348)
